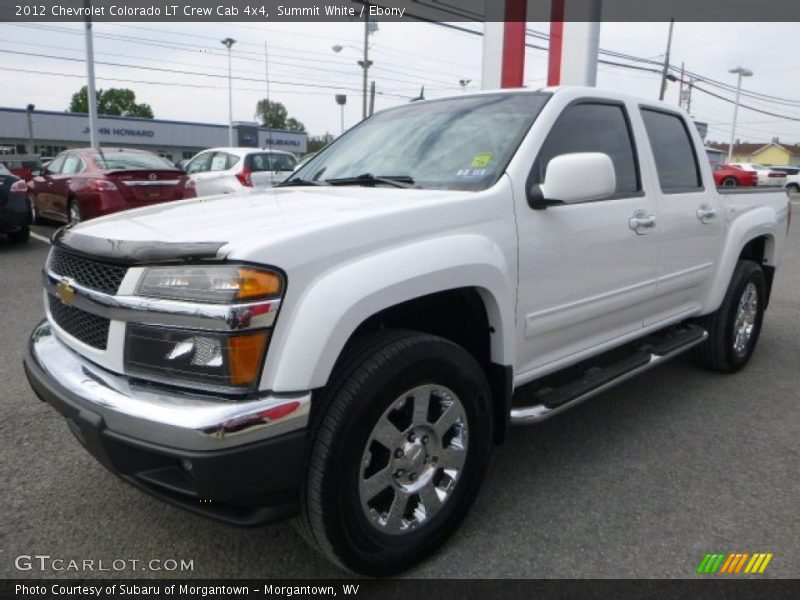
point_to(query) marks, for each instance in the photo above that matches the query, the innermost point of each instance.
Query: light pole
(29, 110)
(741, 72)
(370, 27)
(228, 42)
(91, 95)
(341, 100)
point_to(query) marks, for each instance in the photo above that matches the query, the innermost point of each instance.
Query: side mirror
(573, 178)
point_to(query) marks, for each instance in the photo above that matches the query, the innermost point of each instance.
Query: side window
(673, 151)
(200, 163)
(54, 168)
(72, 164)
(589, 127)
(222, 161)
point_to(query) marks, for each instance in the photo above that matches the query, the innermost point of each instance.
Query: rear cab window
(673, 150)
(593, 126)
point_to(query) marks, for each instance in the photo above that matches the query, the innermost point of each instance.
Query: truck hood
(243, 222)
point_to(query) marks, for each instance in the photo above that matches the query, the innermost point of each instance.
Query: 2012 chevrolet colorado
(349, 346)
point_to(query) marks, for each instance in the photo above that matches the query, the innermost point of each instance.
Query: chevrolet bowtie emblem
(65, 293)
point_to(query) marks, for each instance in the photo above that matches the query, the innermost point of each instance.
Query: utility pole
(266, 111)
(689, 96)
(228, 42)
(365, 65)
(90, 87)
(741, 72)
(680, 89)
(665, 72)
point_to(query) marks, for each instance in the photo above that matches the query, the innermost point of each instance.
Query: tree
(120, 102)
(317, 143)
(275, 116)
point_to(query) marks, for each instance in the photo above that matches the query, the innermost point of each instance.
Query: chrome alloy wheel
(746, 316)
(413, 459)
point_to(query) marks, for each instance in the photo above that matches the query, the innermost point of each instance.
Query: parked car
(349, 346)
(15, 208)
(766, 175)
(792, 178)
(79, 185)
(230, 170)
(730, 176)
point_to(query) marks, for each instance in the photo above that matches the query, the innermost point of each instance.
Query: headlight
(219, 284)
(223, 361)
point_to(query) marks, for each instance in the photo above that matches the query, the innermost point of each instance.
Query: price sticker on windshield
(484, 159)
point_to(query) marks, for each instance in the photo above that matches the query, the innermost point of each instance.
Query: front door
(587, 271)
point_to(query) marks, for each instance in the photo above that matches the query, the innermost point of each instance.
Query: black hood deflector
(130, 252)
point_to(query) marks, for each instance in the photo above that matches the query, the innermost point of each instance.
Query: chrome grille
(88, 328)
(92, 274)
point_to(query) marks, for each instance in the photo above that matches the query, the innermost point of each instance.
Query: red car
(728, 176)
(83, 184)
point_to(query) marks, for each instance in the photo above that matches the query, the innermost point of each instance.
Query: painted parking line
(41, 238)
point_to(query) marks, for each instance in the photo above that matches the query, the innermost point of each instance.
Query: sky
(182, 67)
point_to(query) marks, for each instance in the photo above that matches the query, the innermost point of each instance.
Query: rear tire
(21, 236)
(793, 188)
(74, 212)
(729, 182)
(734, 328)
(377, 398)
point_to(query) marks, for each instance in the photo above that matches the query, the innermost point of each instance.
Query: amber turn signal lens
(257, 284)
(245, 355)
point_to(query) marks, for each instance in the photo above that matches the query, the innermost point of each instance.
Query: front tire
(400, 447)
(733, 330)
(793, 188)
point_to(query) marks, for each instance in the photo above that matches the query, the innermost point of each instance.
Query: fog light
(186, 465)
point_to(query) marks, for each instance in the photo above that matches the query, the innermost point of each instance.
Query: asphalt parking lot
(640, 482)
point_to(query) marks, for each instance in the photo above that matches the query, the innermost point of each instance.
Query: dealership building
(53, 132)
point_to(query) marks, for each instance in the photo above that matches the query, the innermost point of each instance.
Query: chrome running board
(658, 354)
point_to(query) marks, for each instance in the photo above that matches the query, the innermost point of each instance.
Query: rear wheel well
(458, 315)
(756, 250)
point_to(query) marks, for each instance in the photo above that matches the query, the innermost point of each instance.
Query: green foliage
(275, 116)
(317, 143)
(118, 102)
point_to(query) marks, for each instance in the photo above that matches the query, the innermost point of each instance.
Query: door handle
(640, 222)
(705, 213)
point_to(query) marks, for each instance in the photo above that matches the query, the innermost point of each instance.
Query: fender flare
(756, 223)
(309, 339)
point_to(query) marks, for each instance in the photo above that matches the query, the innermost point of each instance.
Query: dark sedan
(15, 208)
(87, 183)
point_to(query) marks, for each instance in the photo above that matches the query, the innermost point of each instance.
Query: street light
(228, 42)
(29, 110)
(370, 27)
(741, 72)
(341, 100)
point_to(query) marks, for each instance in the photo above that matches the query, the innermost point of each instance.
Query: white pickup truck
(349, 346)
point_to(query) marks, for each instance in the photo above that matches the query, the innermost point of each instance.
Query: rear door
(60, 189)
(43, 192)
(690, 212)
(586, 270)
(213, 173)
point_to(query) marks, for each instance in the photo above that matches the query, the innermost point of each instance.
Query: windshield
(458, 143)
(134, 161)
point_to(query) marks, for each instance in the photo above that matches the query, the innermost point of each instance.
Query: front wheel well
(458, 315)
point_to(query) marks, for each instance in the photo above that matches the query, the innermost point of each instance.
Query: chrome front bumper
(159, 415)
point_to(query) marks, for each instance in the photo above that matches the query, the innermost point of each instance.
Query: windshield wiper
(298, 182)
(401, 181)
